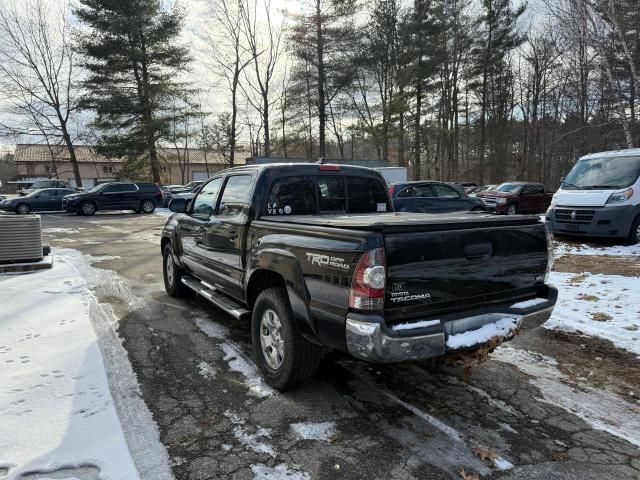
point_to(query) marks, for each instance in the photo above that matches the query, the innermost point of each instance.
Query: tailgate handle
(478, 251)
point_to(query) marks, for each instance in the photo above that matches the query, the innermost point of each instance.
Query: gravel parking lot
(552, 404)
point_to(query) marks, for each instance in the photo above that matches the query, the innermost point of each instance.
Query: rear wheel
(284, 357)
(147, 206)
(172, 274)
(88, 208)
(634, 233)
(512, 209)
(23, 209)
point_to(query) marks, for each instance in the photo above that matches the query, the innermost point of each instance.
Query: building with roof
(40, 162)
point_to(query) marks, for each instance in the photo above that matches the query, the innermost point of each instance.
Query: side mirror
(563, 179)
(178, 205)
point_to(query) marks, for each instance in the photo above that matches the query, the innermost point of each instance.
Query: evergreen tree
(133, 57)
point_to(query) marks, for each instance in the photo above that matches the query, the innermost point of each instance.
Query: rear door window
(292, 196)
(235, 196)
(366, 195)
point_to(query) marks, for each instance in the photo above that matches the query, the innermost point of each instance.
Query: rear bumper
(592, 221)
(369, 338)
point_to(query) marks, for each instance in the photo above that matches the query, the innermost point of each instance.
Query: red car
(512, 198)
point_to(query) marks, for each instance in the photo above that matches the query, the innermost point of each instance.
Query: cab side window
(205, 202)
(235, 196)
(444, 191)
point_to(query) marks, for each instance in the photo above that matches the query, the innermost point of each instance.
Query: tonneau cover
(402, 221)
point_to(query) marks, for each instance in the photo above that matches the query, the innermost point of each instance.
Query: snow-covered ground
(57, 410)
(606, 306)
(563, 248)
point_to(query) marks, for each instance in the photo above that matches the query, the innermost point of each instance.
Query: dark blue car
(431, 197)
(46, 199)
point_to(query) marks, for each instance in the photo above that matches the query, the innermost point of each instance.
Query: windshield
(603, 173)
(509, 188)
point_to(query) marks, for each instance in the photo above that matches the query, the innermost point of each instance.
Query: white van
(600, 197)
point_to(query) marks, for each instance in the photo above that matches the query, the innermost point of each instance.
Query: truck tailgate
(440, 272)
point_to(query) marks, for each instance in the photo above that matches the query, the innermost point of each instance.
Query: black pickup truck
(315, 257)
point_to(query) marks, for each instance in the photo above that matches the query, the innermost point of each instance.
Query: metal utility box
(20, 239)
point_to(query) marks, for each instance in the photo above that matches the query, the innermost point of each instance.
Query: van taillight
(368, 282)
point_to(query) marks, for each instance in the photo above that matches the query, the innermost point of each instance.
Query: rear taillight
(368, 282)
(392, 189)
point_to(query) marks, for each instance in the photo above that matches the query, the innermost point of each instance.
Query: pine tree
(133, 57)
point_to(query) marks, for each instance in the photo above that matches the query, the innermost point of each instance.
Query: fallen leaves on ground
(601, 317)
(468, 476)
(588, 298)
(485, 453)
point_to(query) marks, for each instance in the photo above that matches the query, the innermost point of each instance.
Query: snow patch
(250, 440)
(501, 464)
(598, 407)
(55, 390)
(415, 325)
(529, 303)
(238, 362)
(502, 328)
(207, 371)
(212, 329)
(562, 248)
(60, 230)
(279, 472)
(323, 431)
(613, 295)
(163, 212)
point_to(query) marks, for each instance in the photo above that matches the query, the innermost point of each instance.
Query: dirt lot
(548, 405)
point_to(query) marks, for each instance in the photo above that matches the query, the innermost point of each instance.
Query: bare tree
(228, 54)
(263, 40)
(37, 69)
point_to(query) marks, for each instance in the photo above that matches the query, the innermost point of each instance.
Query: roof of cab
(299, 166)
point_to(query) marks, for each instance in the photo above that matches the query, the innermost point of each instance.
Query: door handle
(478, 251)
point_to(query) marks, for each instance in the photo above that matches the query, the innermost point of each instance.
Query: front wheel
(512, 209)
(634, 233)
(172, 274)
(23, 209)
(283, 356)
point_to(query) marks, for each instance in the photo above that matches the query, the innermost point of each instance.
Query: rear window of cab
(317, 194)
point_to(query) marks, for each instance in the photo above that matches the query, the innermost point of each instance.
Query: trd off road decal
(326, 261)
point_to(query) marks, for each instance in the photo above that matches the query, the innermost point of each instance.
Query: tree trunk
(321, 80)
(417, 139)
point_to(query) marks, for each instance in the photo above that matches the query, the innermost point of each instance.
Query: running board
(218, 299)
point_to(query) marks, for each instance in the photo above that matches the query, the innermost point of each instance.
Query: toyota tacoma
(314, 257)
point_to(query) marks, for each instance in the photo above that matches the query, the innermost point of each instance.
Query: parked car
(512, 198)
(40, 184)
(139, 197)
(189, 189)
(47, 199)
(600, 197)
(431, 197)
(484, 188)
(315, 258)
(466, 186)
(188, 196)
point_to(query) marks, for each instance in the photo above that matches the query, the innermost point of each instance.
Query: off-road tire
(23, 209)
(634, 233)
(512, 209)
(147, 206)
(173, 284)
(300, 359)
(88, 208)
